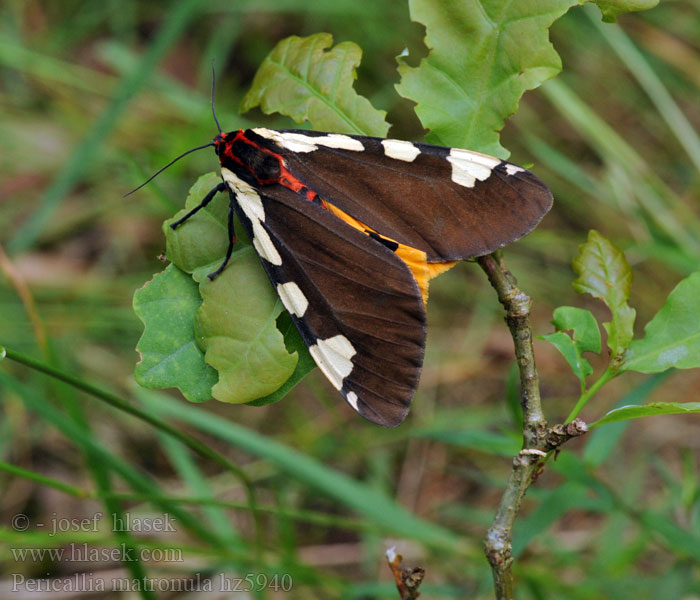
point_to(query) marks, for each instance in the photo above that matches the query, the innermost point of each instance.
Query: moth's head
(244, 153)
(223, 142)
(219, 140)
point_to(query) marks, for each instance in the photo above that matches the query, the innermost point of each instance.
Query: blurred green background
(97, 96)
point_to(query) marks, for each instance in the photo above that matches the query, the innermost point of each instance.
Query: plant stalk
(498, 546)
(607, 375)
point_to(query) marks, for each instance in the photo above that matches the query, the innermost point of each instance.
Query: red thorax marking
(286, 178)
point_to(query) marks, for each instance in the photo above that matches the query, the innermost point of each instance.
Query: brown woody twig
(538, 440)
(407, 580)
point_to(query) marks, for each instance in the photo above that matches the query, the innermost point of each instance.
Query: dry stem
(407, 580)
(537, 439)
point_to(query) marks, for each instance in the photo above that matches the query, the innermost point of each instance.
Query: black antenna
(159, 171)
(213, 87)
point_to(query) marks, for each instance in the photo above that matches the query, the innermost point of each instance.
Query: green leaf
(605, 274)
(236, 326)
(303, 79)
(583, 324)
(202, 240)
(305, 364)
(585, 338)
(256, 362)
(648, 410)
(562, 342)
(483, 56)
(672, 337)
(169, 355)
(612, 8)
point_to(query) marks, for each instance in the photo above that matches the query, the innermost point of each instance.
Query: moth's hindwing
(355, 303)
(450, 203)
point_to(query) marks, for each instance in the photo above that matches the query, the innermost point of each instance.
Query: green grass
(97, 96)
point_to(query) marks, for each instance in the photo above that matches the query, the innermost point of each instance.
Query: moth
(350, 229)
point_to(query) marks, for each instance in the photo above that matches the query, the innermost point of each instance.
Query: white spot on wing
(263, 244)
(400, 150)
(469, 166)
(277, 138)
(270, 134)
(246, 194)
(251, 204)
(333, 358)
(513, 169)
(352, 399)
(299, 142)
(336, 140)
(293, 298)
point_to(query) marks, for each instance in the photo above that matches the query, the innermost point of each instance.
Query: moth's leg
(231, 236)
(206, 200)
